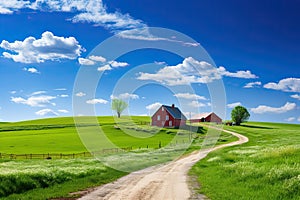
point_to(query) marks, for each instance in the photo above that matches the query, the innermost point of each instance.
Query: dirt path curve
(166, 182)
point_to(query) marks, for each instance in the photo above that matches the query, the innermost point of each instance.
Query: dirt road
(161, 182)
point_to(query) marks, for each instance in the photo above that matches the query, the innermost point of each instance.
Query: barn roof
(202, 115)
(175, 112)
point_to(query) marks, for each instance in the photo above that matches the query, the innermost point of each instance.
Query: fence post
(159, 144)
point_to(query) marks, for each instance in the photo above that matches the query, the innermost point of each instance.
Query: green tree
(239, 114)
(119, 106)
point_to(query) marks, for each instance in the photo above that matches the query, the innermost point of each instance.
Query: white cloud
(8, 7)
(80, 94)
(104, 68)
(31, 70)
(60, 89)
(191, 71)
(290, 119)
(125, 96)
(46, 111)
(252, 84)
(267, 109)
(286, 85)
(34, 101)
(63, 111)
(160, 62)
(96, 101)
(38, 93)
(93, 12)
(48, 47)
(64, 95)
(89, 11)
(189, 96)
(298, 119)
(233, 105)
(97, 58)
(84, 61)
(153, 106)
(197, 104)
(296, 96)
(13, 92)
(118, 64)
(239, 74)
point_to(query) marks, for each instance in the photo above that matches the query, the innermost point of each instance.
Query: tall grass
(265, 168)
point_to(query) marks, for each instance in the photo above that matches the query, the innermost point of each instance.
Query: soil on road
(167, 182)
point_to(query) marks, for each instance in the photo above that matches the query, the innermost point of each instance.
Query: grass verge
(267, 167)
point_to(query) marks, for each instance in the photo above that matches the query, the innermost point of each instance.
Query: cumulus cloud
(91, 60)
(97, 58)
(191, 71)
(239, 74)
(290, 119)
(8, 7)
(153, 106)
(31, 70)
(252, 84)
(112, 64)
(104, 68)
(96, 101)
(63, 95)
(48, 47)
(46, 111)
(84, 61)
(286, 85)
(189, 96)
(34, 101)
(267, 109)
(63, 111)
(197, 104)
(125, 96)
(296, 96)
(80, 94)
(118, 64)
(233, 105)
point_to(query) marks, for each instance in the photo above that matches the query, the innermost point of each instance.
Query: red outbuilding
(168, 116)
(207, 117)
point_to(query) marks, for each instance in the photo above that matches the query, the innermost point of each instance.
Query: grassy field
(46, 179)
(59, 135)
(267, 167)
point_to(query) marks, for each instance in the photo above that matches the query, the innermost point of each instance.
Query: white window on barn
(158, 117)
(167, 117)
(162, 109)
(170, 123)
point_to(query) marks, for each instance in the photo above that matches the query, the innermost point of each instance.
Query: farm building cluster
(171, 116)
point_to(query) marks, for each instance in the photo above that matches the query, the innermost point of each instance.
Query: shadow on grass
(251, 126)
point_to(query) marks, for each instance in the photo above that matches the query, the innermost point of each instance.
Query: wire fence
(84, 154)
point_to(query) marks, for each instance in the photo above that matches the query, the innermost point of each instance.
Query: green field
(46, 179)
(267, 167)
(59, 135)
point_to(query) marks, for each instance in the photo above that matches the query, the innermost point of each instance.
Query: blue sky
(254, 47)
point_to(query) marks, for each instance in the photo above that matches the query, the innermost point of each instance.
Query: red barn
(207, 117)
(168, 116)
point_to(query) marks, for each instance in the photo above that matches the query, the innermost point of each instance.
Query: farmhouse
(207, 117)
(168, 116)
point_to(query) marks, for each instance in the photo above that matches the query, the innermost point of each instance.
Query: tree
(119, 106)
(239, 114)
